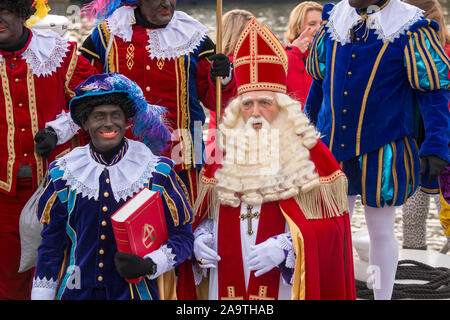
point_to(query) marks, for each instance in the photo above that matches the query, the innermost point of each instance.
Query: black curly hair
(81, 108)
(22, 8)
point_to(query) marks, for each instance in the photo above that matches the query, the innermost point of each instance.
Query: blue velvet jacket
(368, 93)
(80, 196)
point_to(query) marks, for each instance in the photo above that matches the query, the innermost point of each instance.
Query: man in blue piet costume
(380, 70)
(86, 186)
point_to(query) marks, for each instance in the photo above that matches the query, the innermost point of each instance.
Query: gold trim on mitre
(254, 31)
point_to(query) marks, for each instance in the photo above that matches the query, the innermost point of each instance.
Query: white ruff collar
(127, 176)
(389, 23)
(180, 37)
(45, 53)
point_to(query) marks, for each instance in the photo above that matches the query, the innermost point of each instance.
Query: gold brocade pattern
(130, 56)
(160, 63)
(6, 185)
(45, 218)
(172, 208)
(34, 123)
(70, 72)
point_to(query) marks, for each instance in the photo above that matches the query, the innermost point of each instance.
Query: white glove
(265, 256)
(205, 255)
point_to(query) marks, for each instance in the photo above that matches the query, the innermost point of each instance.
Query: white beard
(264, 165)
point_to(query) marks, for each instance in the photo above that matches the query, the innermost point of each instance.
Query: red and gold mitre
(260, 62)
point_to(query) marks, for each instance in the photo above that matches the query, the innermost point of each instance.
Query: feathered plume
(42, 10)
(150, 126)
(101, 9)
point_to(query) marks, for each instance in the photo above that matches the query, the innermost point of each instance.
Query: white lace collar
(45, 52)
(389, 23)
(180, 37)
(127, 176)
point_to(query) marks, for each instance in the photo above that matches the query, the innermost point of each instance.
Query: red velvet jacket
(34, 91)
(179, 83)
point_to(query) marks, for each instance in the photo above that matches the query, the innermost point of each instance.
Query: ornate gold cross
(249, 216)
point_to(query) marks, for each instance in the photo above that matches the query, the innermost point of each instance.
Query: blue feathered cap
(148, 121)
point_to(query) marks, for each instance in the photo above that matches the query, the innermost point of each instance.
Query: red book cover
(140, 225)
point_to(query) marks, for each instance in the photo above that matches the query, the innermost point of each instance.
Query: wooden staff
(218, 50)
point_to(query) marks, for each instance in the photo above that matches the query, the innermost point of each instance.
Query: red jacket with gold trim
(37, 83)
(171, 66)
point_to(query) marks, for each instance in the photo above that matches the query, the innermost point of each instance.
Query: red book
(140, 225)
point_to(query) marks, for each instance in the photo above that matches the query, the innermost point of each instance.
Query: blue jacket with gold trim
(368, 92)
(76, 256)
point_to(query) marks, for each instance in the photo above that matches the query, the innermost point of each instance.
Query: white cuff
(164, 259)
(284, 241)
(64, 127)
(44, 289)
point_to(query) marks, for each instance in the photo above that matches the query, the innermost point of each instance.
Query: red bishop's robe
(320, 229)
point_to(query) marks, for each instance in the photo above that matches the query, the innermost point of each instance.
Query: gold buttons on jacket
(105, 208)
(353, 56)
(16, 80)
(147, 89)
(23, 129)
(344, 127)
(100, 265)
(106, 194)
(21, 105)
(147, 67)
(345, 93)
(344, 111)
(25, 155)
(342, 146)
(349, 73)
(101, 251)
(103, 237)
(107, 181)
(104, 223)
(100, 278)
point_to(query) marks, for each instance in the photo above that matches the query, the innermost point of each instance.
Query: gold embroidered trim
(425, 61)
(6, 185)
(333, 63)
(183, 186)
(172, 208)
(34, 123)
(70, 72)
(45, 218)
(327, 200)
(130, 56)
(366, 96)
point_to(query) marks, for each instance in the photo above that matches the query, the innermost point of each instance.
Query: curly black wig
(21, 8)
(83, 107)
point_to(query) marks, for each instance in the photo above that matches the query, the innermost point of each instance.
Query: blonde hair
(233, 22)
(433, 10)
(297, 18)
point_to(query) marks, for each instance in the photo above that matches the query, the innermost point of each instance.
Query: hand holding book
(131, 266)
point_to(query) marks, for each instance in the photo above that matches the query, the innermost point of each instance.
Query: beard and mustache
(263, 165)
